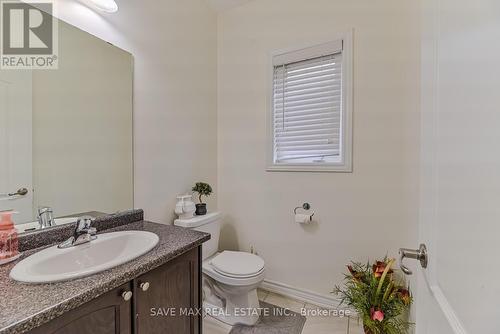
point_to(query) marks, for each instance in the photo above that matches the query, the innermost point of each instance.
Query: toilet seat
(231, 279)
(237, 264)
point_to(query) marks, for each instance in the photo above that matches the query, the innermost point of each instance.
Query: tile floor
(314, 325)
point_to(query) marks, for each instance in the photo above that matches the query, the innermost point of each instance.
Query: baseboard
(306, 296)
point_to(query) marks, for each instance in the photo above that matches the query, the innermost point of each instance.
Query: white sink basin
(107, 251)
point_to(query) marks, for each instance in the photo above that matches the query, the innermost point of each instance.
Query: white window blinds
(307, 110)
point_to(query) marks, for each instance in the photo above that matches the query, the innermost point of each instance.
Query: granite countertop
(26, 306)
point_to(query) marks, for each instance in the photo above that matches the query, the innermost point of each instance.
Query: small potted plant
(203, 189)
(381, 300)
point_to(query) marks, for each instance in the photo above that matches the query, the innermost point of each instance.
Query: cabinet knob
(127, 295)
(144, 286)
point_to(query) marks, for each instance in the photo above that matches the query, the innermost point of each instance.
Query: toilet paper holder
(306, 207)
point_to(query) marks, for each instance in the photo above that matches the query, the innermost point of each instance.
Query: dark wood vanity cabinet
(171, 299)
(165, 300)
(107, 314)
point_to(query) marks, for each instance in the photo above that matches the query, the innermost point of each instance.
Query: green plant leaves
(370, 288)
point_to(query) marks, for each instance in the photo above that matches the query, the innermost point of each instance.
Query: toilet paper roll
(302, 219)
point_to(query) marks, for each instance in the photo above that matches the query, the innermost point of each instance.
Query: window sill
(329, 168)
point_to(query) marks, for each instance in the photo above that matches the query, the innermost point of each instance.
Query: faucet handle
(45, 217)
(83, 226)
(44, 209)
(84, 232)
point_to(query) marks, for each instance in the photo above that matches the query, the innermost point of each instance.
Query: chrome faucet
(45, 217)
(84, 233)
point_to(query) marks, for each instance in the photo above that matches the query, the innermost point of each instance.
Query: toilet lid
(238, 264)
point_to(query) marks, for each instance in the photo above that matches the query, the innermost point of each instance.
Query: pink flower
(377, 315)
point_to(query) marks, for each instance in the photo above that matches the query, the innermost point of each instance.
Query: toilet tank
(209, 223)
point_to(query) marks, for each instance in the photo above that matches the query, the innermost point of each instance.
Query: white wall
(174, 48)
(361, 215)
(367, 213)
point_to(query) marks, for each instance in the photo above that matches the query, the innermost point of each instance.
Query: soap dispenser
(9, 245)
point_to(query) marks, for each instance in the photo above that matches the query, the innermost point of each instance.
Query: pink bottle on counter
(9, 245)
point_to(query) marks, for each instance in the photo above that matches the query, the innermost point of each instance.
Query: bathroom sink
(107, 251)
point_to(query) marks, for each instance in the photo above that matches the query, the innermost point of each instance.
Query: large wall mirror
(66, 134)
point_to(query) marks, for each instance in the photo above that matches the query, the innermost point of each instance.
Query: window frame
(345, 163)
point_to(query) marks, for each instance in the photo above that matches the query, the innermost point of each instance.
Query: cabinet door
(108, 314)
(171, 303)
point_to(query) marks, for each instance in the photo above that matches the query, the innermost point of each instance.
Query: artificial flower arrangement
(379, 298)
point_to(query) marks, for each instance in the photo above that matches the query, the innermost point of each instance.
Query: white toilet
(230, 279)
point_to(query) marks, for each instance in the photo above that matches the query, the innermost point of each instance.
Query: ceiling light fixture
(108, 6)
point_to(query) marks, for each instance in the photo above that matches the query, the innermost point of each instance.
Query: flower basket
(381, 299)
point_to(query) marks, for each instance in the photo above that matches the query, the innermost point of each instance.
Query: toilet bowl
(230, 279)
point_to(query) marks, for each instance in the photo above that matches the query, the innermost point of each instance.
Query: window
(310, 121)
